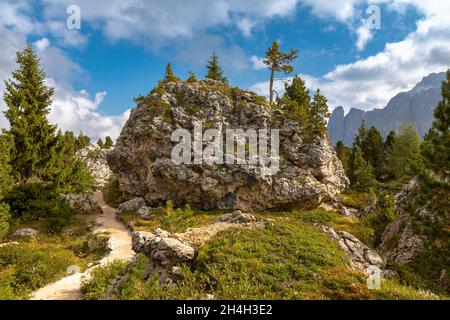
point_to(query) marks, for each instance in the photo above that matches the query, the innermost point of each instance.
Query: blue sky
(122, 48)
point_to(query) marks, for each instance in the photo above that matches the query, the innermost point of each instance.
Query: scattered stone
(361, 256)
(163, 247)
(237, 217)
(13, 243)
(25, 232)
(82, 203)
(131, 206)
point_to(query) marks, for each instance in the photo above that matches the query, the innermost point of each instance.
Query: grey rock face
(25, 232)
(95, 159)
(162, 247)
(399, 241)
(136, 205)
(361, 256)
(415, 106)
(131, 206)
(310, 172)
(82, 203)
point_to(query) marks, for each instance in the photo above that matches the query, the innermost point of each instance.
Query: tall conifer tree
(28, 100)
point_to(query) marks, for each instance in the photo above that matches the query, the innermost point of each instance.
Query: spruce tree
(404, 153)
(297, 91)
(319, 112)
(28, 101)
(82, 141)
(360, 135)
(215, 71)
(169, 76)
(6, 180)
(343, 154)
(192, 78)
(372, 149)
(362, 177)
(64, 169)
(435, 150)
(278, 61)
(296, 100)
(108, 143)
(100, 143)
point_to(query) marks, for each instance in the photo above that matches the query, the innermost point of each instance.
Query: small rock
(131, 206)
(82, 203)
(237, 217)
(25, 232)
(388, 274)
(145, 212)
(9, 244)
(361, 256)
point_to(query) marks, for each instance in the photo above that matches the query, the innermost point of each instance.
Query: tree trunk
(271, 85)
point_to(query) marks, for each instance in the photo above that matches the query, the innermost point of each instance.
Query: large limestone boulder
(162, 247)
(95, 159)
(309, 172)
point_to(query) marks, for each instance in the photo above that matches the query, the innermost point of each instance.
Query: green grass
(284, 260)
(37, 262)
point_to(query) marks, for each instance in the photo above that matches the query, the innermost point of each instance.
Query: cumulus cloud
(364, 36)
(71, 110)
(171, 19)
(370, 82)
(258, 63)
(78, 111)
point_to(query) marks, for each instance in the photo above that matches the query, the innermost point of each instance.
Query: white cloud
(364, 36)
(42, 44)
(71, 110)
(171, 19)
(76, 111)
(370, 82)
(258, 63)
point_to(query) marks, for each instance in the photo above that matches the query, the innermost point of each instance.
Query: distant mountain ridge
(415, 106)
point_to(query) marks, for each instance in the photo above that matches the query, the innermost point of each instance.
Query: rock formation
(83, 203)
(95, 159)
(361, 257)
(400, 243)
(309, 174)
(415, 106)
(167, 251)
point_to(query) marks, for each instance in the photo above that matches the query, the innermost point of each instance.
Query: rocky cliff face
(95, 159)
(309, 172)
(415, 106)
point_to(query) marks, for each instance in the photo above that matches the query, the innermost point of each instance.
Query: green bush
(4, 219)
(113, 195)
(37, 201)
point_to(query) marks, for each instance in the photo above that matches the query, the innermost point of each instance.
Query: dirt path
(68, 288)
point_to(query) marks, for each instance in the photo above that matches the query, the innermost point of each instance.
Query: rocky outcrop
(309, 174)
(360, 256)
(95, 159)
(83, 203)
(25, 232)
(167, 251)
(415, 106)
(136, 205)
(399, 241)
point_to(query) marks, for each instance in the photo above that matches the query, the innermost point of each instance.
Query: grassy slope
(289, 259)
(37, 262)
